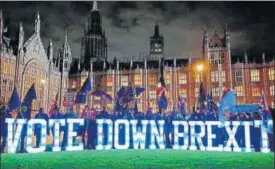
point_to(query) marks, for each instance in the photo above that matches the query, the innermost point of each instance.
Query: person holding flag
(81, 96)
(162, 102)
(266, 113)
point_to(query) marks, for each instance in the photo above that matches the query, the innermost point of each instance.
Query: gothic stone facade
(26, 62)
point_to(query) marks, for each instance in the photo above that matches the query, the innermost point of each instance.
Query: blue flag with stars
(81, 96)
(27, 102)
(14, 102)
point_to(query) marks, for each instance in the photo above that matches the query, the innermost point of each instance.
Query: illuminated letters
(177, 135)
(42, 146)
(231, 134)
(211, 136)
(139, 136)
(56, 123)
(13, 143)
(126, 136)
(196, 130)
(264, 148)
(197, 135)
(100, 145)
(72, 134)
(158, 135)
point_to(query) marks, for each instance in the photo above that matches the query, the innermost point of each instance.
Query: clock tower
(156, 44)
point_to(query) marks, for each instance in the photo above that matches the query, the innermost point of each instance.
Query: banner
(146, 134)
(68, 101)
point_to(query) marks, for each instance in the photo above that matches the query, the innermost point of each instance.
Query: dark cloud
(129, 25)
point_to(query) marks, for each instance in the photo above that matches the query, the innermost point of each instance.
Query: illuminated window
(238, 76)
(255, 91)
(217, 58)
(124, 80)
(152, 94)
(109, 81)
(272, 90)
(198, 78)
(182, 78)
(239, 90)
(96, 106)
(215, 92)
(183, 93)
(273, 105)
(167, 78)
(152, 79)
(215, 76)
(255, 76)
(271, 74)
(137, 80)
(96, 98)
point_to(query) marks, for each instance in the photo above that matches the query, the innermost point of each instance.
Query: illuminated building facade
(26, 62)
(182, 76)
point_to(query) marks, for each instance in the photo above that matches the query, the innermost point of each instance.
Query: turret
(21, 37)
(50, 51)
(131, 62)
(263, 57)
(226, 37)
(205, 40)
(37, 24)
(175, 62)
(245, 57)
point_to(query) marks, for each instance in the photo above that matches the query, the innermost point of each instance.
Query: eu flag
(27, 102)
(81, 96)
(14, 102)
(139, 90)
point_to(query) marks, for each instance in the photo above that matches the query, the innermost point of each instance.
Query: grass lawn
(124, 159)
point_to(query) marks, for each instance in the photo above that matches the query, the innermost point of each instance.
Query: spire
(104, 65)
(238, 60)
(66, 37)
(95, 6)
(21, 36)
(225, 29)
(117, 65)
(263, 57)
(145, 62)
(131, 62)
(175, 62)
(91, 67)
(156, 34)
(245, 57)
(78, 64)
(37, 23)
(50, 50)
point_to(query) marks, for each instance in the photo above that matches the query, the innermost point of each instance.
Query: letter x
(231, 134)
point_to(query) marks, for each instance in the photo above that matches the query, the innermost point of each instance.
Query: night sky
(129, 25)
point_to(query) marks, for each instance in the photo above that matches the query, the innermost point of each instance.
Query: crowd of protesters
(88, 132)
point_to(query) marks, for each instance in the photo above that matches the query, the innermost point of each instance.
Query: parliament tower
(94, 41)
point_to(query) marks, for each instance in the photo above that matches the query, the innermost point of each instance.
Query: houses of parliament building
(24, 62)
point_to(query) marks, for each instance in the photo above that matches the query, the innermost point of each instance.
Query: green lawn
(123, 159)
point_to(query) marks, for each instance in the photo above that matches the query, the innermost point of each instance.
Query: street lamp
(200, 67)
